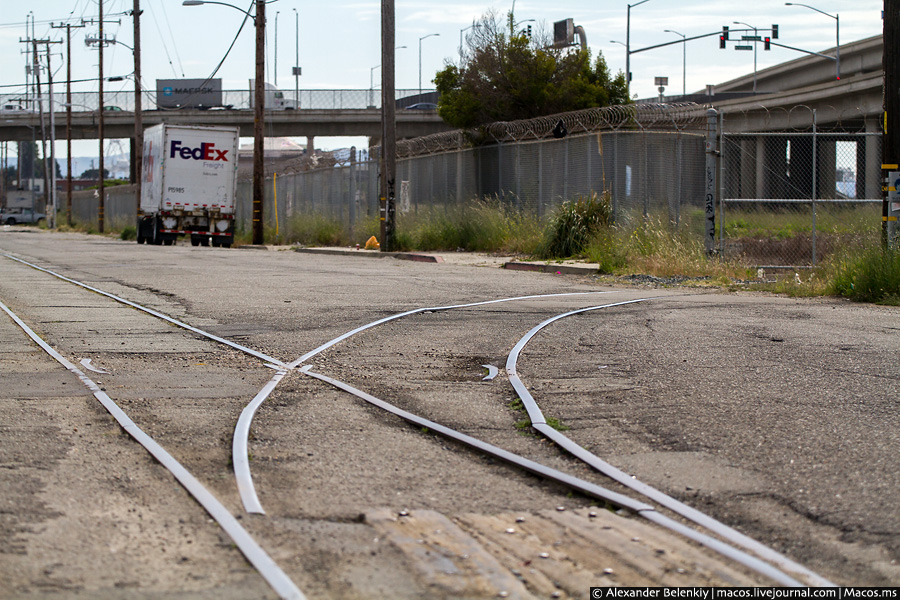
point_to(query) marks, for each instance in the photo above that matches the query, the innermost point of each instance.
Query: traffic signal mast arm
(802, 50)
(696, 37)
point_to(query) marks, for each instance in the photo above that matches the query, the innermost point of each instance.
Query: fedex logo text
(206, 151)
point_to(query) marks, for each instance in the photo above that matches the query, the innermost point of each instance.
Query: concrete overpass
(787, 93)
(22, 126)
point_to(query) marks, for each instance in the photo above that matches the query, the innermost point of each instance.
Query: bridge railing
(236, 99)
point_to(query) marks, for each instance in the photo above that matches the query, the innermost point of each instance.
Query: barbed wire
(678, 117)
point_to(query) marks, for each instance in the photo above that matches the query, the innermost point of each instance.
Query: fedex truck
(188, 185)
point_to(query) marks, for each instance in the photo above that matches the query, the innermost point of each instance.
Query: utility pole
(388, 127)
(68, 27)
(52, 189)
(36, 69)
(101, 41)
(891, 67)
(37, 81)
(258, 122)
(137, 158)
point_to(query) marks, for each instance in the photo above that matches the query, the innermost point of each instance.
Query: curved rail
(261, 561)
(586, 487)
(251, 502)
(539, 423)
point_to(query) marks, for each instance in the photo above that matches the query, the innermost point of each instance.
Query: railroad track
(711, 533)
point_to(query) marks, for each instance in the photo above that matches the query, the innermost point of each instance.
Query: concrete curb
(547, 268)
(372, 254)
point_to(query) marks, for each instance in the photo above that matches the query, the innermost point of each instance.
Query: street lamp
(755, 39)
(683, 60)
(258, 116)
(837, 33)
(372, 81)
(628, 48)
(461, 41)
(297, 58)
(420, 57)
(275, 72)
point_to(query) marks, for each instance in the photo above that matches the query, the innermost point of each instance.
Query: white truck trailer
(188, 185)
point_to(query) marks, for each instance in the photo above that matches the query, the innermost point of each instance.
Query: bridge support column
(310, 145)
(748, 169)
(826, 167)
(868, 163)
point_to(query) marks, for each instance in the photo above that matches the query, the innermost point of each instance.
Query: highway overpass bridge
(24, 126)
(785, 98)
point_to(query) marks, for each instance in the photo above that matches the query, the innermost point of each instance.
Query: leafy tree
(507, 76)
(93, 173)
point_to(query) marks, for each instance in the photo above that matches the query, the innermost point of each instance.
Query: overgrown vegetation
(489, 225)
(870, 276)
(851, 264)
(574, 225)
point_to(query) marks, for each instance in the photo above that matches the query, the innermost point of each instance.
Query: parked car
(112, 108)
(16, 216)
(12, 108)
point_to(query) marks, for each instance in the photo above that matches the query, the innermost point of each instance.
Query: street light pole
(755, 36)
(420, 57)
(837, 33)
(461, 41)
(275, 73)
(683, 61)
(297, 58)
(628, 48)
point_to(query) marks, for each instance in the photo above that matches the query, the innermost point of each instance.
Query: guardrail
(235, 99)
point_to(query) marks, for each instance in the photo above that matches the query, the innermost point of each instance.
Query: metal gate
(794, 199)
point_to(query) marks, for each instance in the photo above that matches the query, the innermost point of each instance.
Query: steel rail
(341, 338)
(644, 510)
(150, 311)
(539, 423)
(261, 561)
(239, 448)
(240, 443)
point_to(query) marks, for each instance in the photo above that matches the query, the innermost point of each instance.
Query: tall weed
(574, 224)
(872, 276)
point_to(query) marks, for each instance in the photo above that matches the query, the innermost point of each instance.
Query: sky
(339, 43)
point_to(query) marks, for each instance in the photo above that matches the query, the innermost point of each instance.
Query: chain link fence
(791, 199)
(649, 158)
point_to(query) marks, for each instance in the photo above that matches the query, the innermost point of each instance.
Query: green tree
(507, 76)
(94, 173)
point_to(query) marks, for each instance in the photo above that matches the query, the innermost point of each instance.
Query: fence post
(815, 183)
(712, 155)
(352, 170)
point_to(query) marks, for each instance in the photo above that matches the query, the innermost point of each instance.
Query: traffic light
(724, 32)
(767, 43)
(774, 32)
(528, 31)
(721, 42)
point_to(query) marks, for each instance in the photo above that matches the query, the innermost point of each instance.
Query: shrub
(872, 276)
(573, 225)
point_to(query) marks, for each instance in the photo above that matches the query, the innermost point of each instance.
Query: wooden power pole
(891, 67)
(388, 128)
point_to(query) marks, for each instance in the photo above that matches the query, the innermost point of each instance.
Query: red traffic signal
(721, 41)
(767, 43)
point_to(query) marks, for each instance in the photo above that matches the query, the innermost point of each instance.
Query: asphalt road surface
(777, 416)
